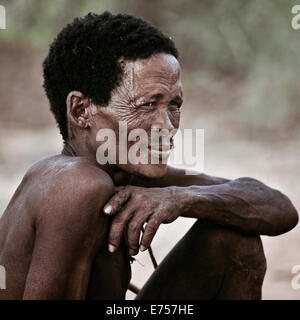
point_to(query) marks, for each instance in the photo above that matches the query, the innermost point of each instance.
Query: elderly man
(73, 224)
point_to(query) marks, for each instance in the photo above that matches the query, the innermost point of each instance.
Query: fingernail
(108, 209)
(111, 248)
(143, 248)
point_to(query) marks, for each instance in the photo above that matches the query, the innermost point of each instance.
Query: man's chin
(150, 171)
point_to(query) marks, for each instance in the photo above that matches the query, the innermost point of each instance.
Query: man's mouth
(160, 151)
(157, 151)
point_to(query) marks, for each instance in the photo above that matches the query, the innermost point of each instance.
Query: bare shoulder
(61, 167)
(63, 187)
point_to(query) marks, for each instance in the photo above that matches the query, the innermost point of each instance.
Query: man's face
(149, 98)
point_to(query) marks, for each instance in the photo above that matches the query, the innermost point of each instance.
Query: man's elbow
(292, 216)
(288, 217)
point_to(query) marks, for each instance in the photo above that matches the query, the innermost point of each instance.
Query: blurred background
(240, 69)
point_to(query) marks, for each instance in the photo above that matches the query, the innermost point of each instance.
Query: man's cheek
(175, 119)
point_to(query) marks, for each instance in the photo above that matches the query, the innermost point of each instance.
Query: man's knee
(240, 258)
(245, 255)
(242, 252)
(245, 266)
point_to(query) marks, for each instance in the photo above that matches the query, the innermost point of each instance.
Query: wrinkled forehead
(160, 67)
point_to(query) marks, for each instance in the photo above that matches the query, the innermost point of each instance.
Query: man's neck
(118, 176)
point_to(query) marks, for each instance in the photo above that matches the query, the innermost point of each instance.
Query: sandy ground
(276, 165)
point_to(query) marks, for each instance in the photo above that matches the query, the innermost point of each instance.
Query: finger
(116, 201)
(133, 235)
(117, 228)
(149, 233)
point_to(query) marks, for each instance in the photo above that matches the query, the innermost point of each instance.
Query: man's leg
(209, 262)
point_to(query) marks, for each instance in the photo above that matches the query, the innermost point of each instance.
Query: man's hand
(133, 206)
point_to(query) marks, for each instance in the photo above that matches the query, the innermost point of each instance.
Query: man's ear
(77, 112)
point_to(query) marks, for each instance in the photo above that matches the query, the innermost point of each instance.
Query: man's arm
(70, 227)
(177, 177)
(244, 204)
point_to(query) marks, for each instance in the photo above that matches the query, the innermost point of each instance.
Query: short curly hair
(84, 56)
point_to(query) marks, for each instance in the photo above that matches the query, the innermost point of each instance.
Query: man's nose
(162, 122)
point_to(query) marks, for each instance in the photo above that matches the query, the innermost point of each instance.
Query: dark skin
(69, 229)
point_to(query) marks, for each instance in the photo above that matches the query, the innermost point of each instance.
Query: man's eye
(149, 104)
(175, 103)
